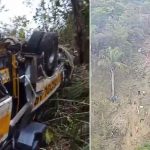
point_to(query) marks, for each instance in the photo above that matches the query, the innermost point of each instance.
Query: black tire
(34, 43)
(49, 44)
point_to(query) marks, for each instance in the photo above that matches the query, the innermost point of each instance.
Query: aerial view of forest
(120, 75)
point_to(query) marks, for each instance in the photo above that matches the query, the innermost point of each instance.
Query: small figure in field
(143, 93)
(139, 93)
(114, 98)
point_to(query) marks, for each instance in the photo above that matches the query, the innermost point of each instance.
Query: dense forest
(118, 24)
(70, 19)
(120, 45)
(67, 112)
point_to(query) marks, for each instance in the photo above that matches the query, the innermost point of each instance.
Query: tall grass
(67, 115)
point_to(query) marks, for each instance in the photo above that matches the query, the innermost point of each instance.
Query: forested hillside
(120, 44)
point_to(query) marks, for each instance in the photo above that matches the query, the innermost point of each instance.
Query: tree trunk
(80, 37)
(112, 82)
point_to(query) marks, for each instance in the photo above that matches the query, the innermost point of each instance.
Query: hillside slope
(124, 124)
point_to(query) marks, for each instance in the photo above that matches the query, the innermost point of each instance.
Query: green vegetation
(120, 45)
(118, 25)
(68, 121)
(145, 147)
(112, 60)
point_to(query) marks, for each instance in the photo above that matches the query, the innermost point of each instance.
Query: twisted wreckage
(30, 73)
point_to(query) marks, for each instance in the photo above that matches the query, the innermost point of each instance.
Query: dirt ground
(124, 124)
